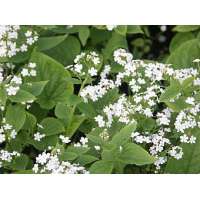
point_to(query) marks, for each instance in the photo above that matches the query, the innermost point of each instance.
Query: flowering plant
(74, 99)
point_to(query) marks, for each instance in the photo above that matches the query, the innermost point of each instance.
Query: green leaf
(190, 163)
(74, 125)
(87, 109)
(184, 55)
(51, 126)
(57, 89)
(3, 95)
(115, 42)
(66, 51)
(65, 156)
(186, 28)
(171, 91)
(84, 33)
(20, 163)
(22, 96)
(124, 134)
(45, 43)
(86, 159)
(134, 29)
(179, 39)
(45, 142)
(101, 167)
(30, 121)
(15, 116)
(122, 29)
(35, 88)
(62, 111)
(135, 154)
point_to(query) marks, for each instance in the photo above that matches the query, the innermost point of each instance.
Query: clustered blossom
(145, 83)
(86, 64)
(64, 139)
(122, 109)
(9, 40)
(38, 136)
(13, 82)
(82, 143)
(50, 163)
(7, 132)
(29, 70)
(6, 156)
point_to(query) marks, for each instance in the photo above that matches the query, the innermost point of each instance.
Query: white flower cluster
(7, 132)
(82, 143)
(50, 163)
(98, 91)
(146, 84)
(9, 43)
(64, 139)
(86, 64)
(121, 110)
(13, 87)
(38, 136)
(29, 70)
(6, 156)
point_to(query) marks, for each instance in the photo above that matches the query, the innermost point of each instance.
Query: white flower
(78, 68)
(13, 134)
(32, 65)
(38, 136)
(110, 27)
(11, 90)
(192, 139)
(184, 138)
(196, 60)
(25, 72)
(64, 139)
(99, 119)
(190, 100)
(2, 138)
(147, 112)
(97, 147)
(92, 71)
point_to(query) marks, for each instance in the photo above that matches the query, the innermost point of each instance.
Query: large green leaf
(171, 92)
(124, 134)
(45, 43)
(190, 163)
(66, 51)
(84, 33)
(179, 39)
(186, 28)
(51, 126)
(101, 167)
(57, 89)
(135, 154)
(15, 116)
(184, 55)
(115, 42)
(22, 96)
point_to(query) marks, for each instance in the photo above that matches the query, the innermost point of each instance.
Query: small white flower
(92, 71)
(190, 100)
